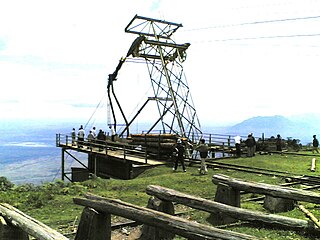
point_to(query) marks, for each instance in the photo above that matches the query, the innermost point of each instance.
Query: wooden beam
(309, 215)
(180, 226)
(29, 225)
(235, 212)
(268, 189)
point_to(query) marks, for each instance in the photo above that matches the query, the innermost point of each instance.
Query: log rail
(210, 206)
(268, 189)
(176, 225)
(20, 221)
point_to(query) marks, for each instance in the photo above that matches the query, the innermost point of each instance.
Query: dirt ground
(127, 233)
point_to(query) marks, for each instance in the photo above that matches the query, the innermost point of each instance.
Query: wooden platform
(121, 152)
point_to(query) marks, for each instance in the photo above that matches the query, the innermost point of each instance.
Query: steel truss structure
(164, 59)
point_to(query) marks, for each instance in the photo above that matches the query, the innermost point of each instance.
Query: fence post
(94, 225)
(145, 155)
(223, 149)
(154, 233)
(8, 231)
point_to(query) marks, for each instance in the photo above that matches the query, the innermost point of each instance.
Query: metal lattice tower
(164, 59)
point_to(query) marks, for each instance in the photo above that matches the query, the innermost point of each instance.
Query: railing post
(62, 164)
(57, 137)
(223, 149)
(159, 146)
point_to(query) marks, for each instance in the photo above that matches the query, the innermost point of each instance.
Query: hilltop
(52, 203)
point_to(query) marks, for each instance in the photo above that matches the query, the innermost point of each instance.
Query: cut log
(313, 164)
(29, 225)
(180, 226)
(309, 215)
(154, 136)
(9, 232)
(235, 212)
(155, 144)
(268, 189)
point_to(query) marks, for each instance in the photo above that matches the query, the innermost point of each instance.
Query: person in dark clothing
(237, 141)
(101, 138)
(250, 145)
(179, 155)
(315, 144)
(279, 143)
(203, 149)
(254, 145)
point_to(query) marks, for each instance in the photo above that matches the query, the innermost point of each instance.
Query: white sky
(55, 56)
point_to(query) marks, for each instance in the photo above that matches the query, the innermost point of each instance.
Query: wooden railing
(101, 146)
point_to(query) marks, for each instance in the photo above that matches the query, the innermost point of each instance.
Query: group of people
(251, 144)
(78, 139)
(180, 150)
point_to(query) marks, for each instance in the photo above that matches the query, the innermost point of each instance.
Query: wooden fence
(166, 222)
(95, 222)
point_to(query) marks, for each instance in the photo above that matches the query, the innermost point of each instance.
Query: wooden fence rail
(173, 224)
(27, 224)
(268, 189)
(235, 212)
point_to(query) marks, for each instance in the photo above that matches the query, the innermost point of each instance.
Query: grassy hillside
(52, 203)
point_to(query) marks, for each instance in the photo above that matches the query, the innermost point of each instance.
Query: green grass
(52, 203)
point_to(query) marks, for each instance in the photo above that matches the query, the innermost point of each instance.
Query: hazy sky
(247, 57)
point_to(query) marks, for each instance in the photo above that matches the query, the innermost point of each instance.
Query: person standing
(254, 145)
(113, 133)
(315, 144)
(237, 141)
(250, 145)
(101, 138)
(279, 143)
(203, 150)
(179, 151)
(94, 132)
(90, 139)
(81, 134)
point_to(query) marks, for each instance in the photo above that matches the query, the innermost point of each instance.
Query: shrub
(5, 184)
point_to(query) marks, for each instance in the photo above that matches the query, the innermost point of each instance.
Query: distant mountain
(273, 125)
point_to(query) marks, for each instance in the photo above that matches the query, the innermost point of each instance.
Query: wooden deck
(120, 152)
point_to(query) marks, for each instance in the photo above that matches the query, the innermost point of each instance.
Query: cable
(252, 23)
(94, 111)
(264, 37)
